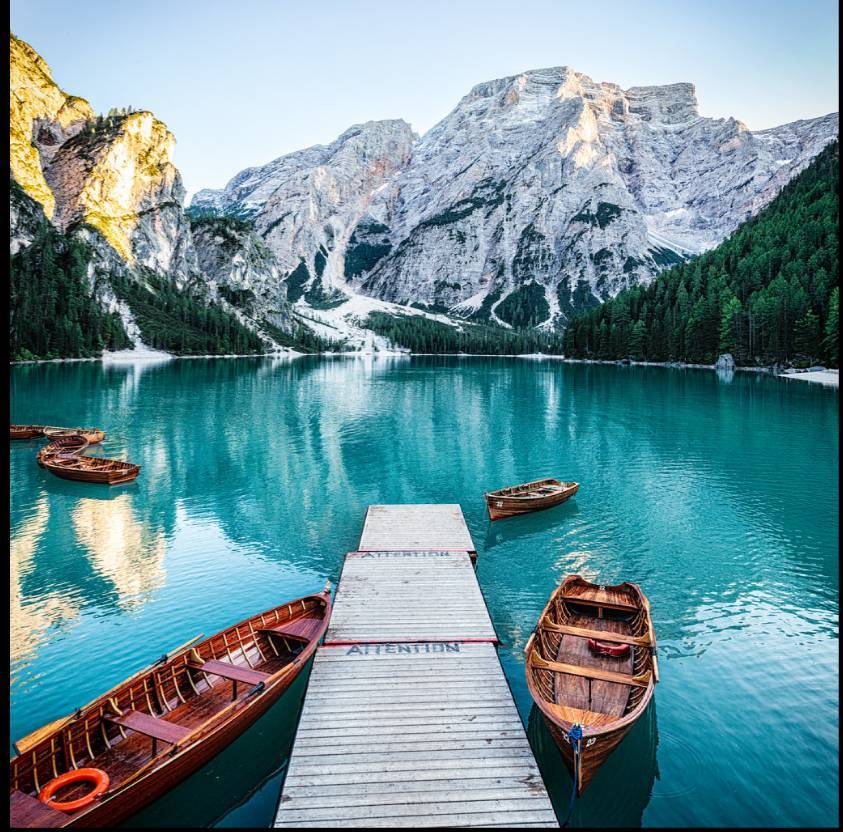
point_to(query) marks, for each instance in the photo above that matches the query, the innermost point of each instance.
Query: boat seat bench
(234, 672)
(230, 671)
(591, 602)
(592, 673)
(152, 726)
(600, 635)
(300, 629)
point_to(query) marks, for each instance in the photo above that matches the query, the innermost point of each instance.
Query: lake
(717, 494)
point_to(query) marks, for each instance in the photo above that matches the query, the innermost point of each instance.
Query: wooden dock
(408, 718)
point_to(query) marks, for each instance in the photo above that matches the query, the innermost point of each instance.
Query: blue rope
(574, 737)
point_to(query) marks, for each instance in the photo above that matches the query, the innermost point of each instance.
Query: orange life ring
(81, 775)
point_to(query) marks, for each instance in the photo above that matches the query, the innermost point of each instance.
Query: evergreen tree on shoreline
(767, 294)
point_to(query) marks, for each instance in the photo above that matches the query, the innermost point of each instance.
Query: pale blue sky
(241, 82)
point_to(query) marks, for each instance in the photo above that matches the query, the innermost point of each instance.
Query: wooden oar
(26, 743)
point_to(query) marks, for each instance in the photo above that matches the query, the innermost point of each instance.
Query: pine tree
(807, 339)
(832, 328)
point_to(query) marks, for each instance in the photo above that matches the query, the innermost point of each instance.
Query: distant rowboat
(591, 669)
(62, 447)
(25, 431)
(530, 496)
(95, 469)
(92, 435)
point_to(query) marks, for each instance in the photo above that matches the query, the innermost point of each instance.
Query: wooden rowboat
(92, 435)
(527, 497)
(62, 448)
(160, 725)
(591, 669)
(95, 469)
(25, 431)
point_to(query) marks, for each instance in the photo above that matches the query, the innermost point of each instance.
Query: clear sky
(241, 82)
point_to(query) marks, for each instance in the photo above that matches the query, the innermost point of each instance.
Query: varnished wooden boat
(95, 469)
(62, 448)
(160, 725)
(527, 497)
(92, 435)
(25, 431)
(574, 681)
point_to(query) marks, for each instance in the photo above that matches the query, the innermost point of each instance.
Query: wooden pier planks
(409, 596)
(408, 719)
(415, 526)
(422, 734)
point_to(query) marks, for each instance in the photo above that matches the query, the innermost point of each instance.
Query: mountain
(537, 196)
(769, 293)
(96, 215)
(306, 205)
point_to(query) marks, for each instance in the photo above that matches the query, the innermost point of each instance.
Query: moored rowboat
(92, 435)
(527, 497)
(591, 668)
(62, 448)
(25, 431)
(95, 469)
(144, 736)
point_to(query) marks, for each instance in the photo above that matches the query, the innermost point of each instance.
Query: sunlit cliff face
(113, 175)
(34, 98)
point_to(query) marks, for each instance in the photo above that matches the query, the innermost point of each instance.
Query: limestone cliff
(41, 115)
(240, 269)
(111, 182)
(306, 205)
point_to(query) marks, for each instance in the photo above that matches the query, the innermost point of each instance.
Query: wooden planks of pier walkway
(408, 719)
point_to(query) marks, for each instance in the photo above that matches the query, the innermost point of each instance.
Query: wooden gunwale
(204, 738)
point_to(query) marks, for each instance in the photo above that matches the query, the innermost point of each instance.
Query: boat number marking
(590, 741)
(498, 503)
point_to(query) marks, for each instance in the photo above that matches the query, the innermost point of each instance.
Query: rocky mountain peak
(538, 194)
(113, 172)
(38, 106)
(668, 104)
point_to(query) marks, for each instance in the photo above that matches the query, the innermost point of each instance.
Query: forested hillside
(424, 335)
(767, 294)
(52, 309)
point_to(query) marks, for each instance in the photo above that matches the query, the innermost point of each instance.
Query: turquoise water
(718, 496)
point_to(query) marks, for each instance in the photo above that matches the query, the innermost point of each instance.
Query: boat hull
(161, 780)
(501, 506)
(101, 477)
(25, 431)
(92, 435)
(571, 685)
(596, 749)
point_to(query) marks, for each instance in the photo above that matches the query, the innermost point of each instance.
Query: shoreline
(826, 377)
